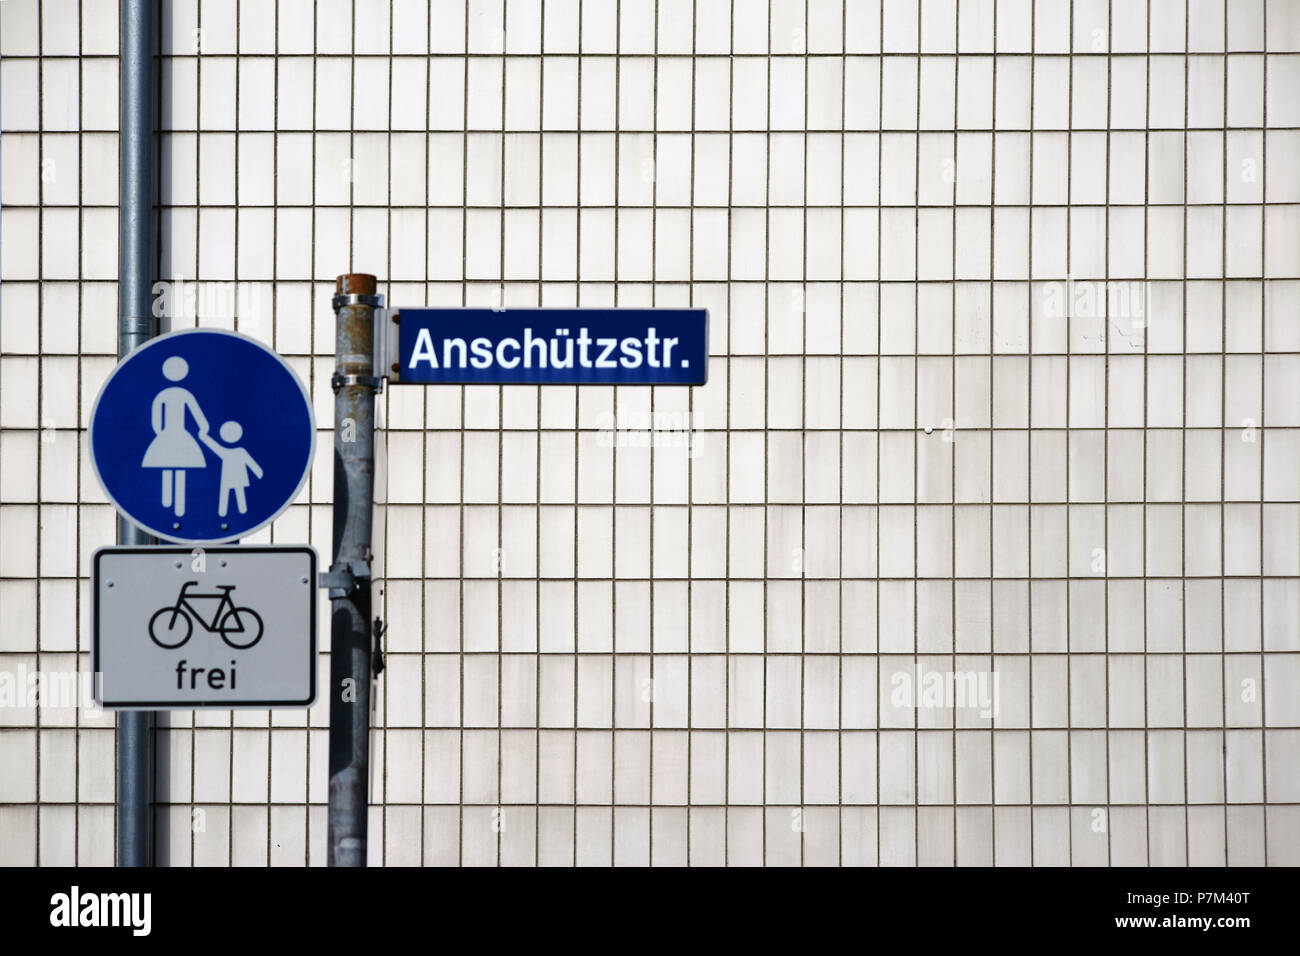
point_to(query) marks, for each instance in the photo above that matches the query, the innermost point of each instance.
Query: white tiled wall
(921, 448)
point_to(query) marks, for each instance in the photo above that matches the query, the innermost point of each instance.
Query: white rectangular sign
(215, 627)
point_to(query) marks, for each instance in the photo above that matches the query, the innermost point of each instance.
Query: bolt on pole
(351, 652)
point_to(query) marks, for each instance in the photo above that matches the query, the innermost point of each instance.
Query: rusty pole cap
(355, 283)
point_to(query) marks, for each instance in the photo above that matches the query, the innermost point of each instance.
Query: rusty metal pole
(351, 652)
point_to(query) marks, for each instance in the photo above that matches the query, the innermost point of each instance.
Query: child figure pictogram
(236, 463)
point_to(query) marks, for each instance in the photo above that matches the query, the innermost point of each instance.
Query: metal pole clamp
(342, 299)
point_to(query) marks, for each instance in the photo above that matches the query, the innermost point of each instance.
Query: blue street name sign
(551, 346)
(202, 436)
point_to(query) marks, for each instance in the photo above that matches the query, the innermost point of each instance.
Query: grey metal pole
(351, 658)
(136, 324)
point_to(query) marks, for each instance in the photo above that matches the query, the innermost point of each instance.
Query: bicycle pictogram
(240, 627)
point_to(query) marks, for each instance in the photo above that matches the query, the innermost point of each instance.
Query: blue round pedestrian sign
(202, 436)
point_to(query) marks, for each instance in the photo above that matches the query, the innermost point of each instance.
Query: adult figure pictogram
(174, 449)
